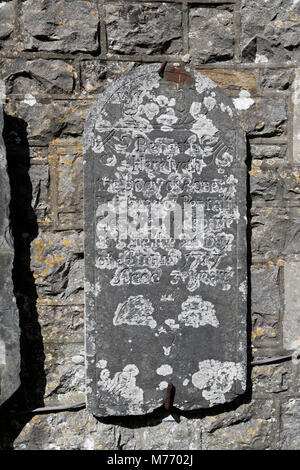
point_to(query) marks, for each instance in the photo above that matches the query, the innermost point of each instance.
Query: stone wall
(56, 57)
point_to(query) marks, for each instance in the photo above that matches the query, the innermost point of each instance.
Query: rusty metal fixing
(177, 75)
(161, 70)
(169, 397)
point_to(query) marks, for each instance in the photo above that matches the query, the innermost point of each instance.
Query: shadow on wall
(24, 229)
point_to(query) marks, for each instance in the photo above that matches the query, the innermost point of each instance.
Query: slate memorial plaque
(9, 319)
(165, 249)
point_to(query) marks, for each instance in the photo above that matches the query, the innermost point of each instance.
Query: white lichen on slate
(216, 378)
(196, 312)
(164, 369)
(136, 310)
(123, 386)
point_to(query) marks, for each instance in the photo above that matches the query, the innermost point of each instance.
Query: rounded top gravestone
(165, 250)
(9, 318)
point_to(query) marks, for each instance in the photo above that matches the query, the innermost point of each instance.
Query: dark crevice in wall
(214, 6)
(24, 229)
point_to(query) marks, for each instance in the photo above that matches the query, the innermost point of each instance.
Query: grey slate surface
(9, 320)
(170, 310)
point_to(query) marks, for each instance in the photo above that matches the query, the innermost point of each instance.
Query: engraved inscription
(165, 219)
